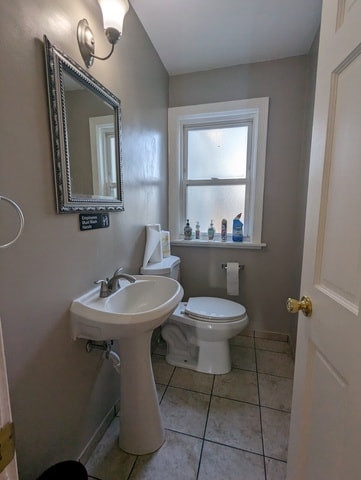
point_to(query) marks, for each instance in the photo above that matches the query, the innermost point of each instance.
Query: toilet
(197, 334)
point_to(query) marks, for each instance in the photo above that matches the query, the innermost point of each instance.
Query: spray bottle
(224, 230)
(198, 231)
(237, 234)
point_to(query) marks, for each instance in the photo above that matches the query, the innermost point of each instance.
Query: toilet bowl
(197, 334)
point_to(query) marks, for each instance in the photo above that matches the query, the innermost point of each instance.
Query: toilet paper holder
(240, 267)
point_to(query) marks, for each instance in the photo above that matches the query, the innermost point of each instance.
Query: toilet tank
(168, 267)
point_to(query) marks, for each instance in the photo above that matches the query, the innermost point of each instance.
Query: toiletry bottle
(187, 231)
(198, 231)
(211, 231)
(237, 234)
(224, 230)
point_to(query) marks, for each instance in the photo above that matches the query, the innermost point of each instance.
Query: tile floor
(232, 426)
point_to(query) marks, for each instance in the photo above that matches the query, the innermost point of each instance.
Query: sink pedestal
(141, 429)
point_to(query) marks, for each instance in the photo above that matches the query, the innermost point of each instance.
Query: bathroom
(60, 394)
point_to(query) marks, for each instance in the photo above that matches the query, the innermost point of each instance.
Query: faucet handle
(103, 287)
(118, 270)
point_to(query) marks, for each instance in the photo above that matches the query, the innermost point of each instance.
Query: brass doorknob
(294, 306)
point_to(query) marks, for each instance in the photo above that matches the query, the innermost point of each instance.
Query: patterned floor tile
(275, 363)
(237, 385)
(275, 392)
(177, 459)
(235, 424)
(275, 469)
(213, 422)
(243, 357)
(275, 428)
(221, 462)
(191, 380)
(162, 371)
(185, 411)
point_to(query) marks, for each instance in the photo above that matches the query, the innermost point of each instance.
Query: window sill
(218, 244)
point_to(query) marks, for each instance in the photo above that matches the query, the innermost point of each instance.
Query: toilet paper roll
(153, 246)
(232, 270)
(165, 244)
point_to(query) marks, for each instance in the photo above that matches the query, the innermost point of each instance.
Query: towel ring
(21, 217)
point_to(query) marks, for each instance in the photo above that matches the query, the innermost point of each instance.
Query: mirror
(86, 137)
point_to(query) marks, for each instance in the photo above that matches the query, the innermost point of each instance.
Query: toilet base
(213, 357)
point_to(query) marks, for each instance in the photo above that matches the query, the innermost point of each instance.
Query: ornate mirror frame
(61, 68)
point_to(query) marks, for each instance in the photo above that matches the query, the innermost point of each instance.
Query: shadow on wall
(69, 386)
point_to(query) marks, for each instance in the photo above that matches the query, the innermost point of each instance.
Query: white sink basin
(134, 309)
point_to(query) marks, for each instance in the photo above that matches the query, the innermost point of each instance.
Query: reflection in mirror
(102, 143)
(86, 133)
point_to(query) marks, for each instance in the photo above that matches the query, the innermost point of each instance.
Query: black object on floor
(70, 469)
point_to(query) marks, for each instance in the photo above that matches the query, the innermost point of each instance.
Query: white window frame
(179, 118)
(101, 131)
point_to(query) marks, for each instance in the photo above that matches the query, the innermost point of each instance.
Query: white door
(8, 472)
(325, 435)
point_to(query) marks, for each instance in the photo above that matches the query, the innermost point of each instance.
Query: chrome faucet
(111, 285)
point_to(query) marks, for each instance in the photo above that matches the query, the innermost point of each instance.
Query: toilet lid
(215, 309)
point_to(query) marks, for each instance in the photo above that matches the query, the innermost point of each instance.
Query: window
(216, 171)
(216, 165)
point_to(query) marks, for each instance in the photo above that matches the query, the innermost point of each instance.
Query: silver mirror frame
(56, 64)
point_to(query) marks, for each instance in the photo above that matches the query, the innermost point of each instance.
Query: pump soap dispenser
(187, 231)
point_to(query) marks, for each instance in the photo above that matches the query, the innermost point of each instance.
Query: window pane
(208, 203)
(217, 153)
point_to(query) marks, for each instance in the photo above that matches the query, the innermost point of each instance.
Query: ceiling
(196, 35)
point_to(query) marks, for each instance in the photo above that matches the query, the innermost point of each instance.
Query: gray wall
(306, 148)
(59, 393)
(273, 273)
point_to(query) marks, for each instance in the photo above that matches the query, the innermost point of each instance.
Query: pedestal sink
(130, 315)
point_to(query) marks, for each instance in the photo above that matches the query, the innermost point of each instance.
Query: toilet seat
(212, 309)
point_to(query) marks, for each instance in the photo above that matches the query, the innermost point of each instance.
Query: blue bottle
(237, 233)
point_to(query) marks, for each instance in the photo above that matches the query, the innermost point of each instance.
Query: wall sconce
(113, 12)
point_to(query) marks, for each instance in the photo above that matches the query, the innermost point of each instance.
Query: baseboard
(281, 337)
(95, 439)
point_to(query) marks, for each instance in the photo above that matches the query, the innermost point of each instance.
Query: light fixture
(113, 12)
